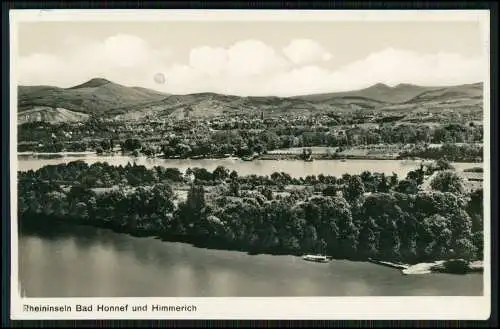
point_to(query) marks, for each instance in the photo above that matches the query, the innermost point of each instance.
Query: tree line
(450, 152)
(177, 142)
(102, 174)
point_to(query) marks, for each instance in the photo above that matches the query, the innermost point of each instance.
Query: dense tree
(233, 175)
(369, 238)
(131, 144)
(407, 186)
(475, 210)
(416, 175)
(235, 188)
(353, 189)
(172, 174)
(448, 181)
(220, 173)
(383, 185)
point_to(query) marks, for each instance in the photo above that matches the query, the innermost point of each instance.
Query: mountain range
(102, 97)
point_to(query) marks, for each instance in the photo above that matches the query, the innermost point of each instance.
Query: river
(294, 168)
(74, 261)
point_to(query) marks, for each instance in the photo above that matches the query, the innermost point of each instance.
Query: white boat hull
(317, 259)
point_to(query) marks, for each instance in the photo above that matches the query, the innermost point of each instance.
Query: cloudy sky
(250, 58)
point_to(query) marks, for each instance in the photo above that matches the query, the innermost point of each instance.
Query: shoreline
(438, 266)
(279, 157)
(32, 226)
(264, 157)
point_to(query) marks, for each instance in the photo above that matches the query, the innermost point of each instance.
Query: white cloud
(248, 67)
(126, 50)
(208, 60)
(243, 59)
(121, 57)
(391, 66)
(306, 51)
(306, 79)
(183, 77)
(252, 57)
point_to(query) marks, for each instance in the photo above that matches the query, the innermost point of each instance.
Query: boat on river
(250, 157)
(316, 258)
(389, 264)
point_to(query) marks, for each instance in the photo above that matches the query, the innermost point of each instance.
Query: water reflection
(86, 262)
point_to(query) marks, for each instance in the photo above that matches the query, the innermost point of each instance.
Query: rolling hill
(94, 96)
(105, 98)
(456, 98)
(469, 91)
(379, 92)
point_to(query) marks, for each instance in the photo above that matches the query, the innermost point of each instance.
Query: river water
(260, 167)
(89, 262)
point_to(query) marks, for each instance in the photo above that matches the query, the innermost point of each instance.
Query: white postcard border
(320, 308)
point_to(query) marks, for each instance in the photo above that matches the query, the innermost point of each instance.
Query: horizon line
(381, 84)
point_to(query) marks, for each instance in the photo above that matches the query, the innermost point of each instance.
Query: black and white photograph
(245, 156)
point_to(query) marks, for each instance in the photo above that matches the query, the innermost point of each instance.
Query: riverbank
(324, 157)
(32, 225)
(263, 157)
(56, 153)
(451, 266)
(458, 152)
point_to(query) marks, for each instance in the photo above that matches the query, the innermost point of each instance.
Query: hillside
(403, 97)
(49, 114)
(95, 96)
(378, 92)
(469, 91)
(211, 104)
(102, 97)
(455, 98)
